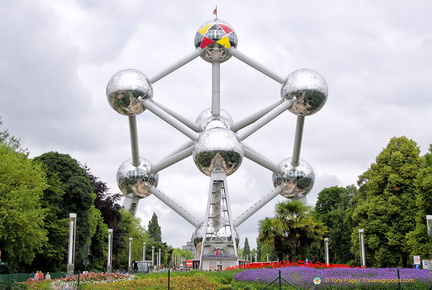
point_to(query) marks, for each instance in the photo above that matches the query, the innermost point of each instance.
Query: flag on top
(215, 12)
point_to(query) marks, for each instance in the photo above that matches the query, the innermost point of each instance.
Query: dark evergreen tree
(154, 230)
(246, 248)
(332, 209)
(78, 195)
(109, 207)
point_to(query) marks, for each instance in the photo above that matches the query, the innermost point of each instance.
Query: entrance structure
(216, 142)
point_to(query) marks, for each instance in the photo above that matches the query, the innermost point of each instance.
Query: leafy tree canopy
(22, 182)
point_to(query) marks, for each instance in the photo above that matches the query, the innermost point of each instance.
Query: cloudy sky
(56, 58)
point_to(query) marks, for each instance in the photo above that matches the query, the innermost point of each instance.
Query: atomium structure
(216, 142)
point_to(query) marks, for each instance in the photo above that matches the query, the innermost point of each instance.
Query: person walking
(47, 276)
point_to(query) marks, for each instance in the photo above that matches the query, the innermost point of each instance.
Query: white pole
(130, 256)
(110, 244)
(71, 247)
(362, 248)
(326, 250)
(153, 252)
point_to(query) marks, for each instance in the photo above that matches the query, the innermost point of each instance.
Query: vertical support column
(110, 249)
(297, 141)
(130, 268)
(215, 110)
(326, 252)
(362, 248)
(159, 260)
(134, 141)
(218, 244)
(153, 252)
(71, 247)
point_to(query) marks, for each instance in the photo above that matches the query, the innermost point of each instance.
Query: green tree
(154, 229)
(246, 248)
(131, 227)
(292, 231)
(109, 209)
(332, 208)
(53, 253)
(22, 182)
(78, 195)
(418, 240)
(385, 207)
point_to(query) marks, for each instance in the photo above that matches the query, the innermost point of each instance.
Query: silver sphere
(205, 117)
(307, 89)
(222, 232)
(217, 148)
(136, 179)
(124, 90)
(216, 37)
(296, 181)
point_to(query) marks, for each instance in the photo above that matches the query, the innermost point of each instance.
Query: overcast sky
(56, 58)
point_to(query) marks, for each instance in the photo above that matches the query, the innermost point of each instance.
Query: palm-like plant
(292, 231)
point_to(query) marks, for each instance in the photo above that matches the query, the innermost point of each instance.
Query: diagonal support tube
(249, 61)
(174, 206)
(264, 120)
(173, 159)
(177, 65)
(254, 117)
(170, 119)
(194, 126)
(257, 206)
(255, 157)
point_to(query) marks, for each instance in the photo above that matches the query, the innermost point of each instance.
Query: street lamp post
(110, 248)
(71, 247)
(326, 251)
(362, 248)
(130, 256)
(153, 252)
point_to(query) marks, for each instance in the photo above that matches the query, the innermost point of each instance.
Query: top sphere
(216, 37)
(307, 89)
(124, 90)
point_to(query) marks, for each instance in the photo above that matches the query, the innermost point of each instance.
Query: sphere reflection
(295, 181)
(218, 148)
(307, 89)
(136, 179)
(124, 90)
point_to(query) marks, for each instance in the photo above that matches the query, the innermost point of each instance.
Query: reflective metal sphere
(124, 90)
(217, 148)
(216, 37)
(295, 181)
(206, 116)
(307, 89)
(136, 179)
(222, 232)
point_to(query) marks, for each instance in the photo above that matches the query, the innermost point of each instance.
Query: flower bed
(338, 277)
(299, 263)
(93, 278)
